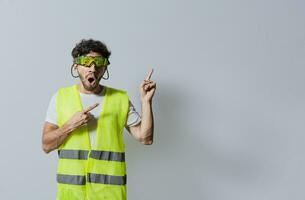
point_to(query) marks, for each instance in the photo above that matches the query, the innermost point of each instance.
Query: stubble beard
(88, 86)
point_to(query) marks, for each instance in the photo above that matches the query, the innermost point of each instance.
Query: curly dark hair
(85, 46)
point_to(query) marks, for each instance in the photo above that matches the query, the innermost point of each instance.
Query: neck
(97, 90)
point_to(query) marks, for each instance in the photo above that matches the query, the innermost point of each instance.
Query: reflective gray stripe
(71, 179)
(106, 179)
(73, 154)
(108, 155)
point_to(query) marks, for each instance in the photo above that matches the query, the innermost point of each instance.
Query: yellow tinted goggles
(86, 61)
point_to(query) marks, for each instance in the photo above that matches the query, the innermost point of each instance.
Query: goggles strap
(72, 73)
(107, 75)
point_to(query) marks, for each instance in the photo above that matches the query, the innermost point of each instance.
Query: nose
(92, 67)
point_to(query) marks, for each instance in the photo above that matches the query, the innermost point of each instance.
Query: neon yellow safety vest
(98, 173)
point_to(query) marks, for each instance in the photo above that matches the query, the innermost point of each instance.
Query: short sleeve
(51, 112)
(134, 117)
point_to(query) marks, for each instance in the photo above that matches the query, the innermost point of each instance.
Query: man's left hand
(147, 88)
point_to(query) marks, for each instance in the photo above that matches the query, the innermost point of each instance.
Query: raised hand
(147, 88)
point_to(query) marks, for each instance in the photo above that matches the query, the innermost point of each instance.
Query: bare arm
(53, 136)
(143, 132)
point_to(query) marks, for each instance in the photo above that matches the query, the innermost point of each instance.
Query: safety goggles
(87, 61)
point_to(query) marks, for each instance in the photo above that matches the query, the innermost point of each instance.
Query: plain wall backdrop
(229, 106)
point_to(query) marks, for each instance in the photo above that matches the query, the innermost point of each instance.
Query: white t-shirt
(87, 100)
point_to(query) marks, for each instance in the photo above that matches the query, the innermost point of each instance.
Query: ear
(74, 66)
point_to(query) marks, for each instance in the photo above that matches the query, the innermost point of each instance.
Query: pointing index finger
(149, 75)
(90, 107)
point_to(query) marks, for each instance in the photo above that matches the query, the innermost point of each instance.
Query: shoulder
(118, 95)
(112, 90)
(66, 88)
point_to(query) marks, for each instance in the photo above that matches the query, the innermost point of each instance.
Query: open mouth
(91, 80)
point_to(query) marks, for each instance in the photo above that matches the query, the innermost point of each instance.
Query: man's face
(90, 76)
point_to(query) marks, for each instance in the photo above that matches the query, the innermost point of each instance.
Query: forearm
(53, 139)
(147, 123)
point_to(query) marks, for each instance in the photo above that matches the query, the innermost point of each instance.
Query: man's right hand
(53, 136)
(81, 118)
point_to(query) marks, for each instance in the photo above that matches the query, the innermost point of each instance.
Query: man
(85, 123)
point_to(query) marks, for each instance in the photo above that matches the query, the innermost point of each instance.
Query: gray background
(229, 106)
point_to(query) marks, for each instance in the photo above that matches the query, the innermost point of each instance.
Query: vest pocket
(70, 192)
(102, 192)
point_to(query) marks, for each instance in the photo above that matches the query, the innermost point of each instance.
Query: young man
(85, 123)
